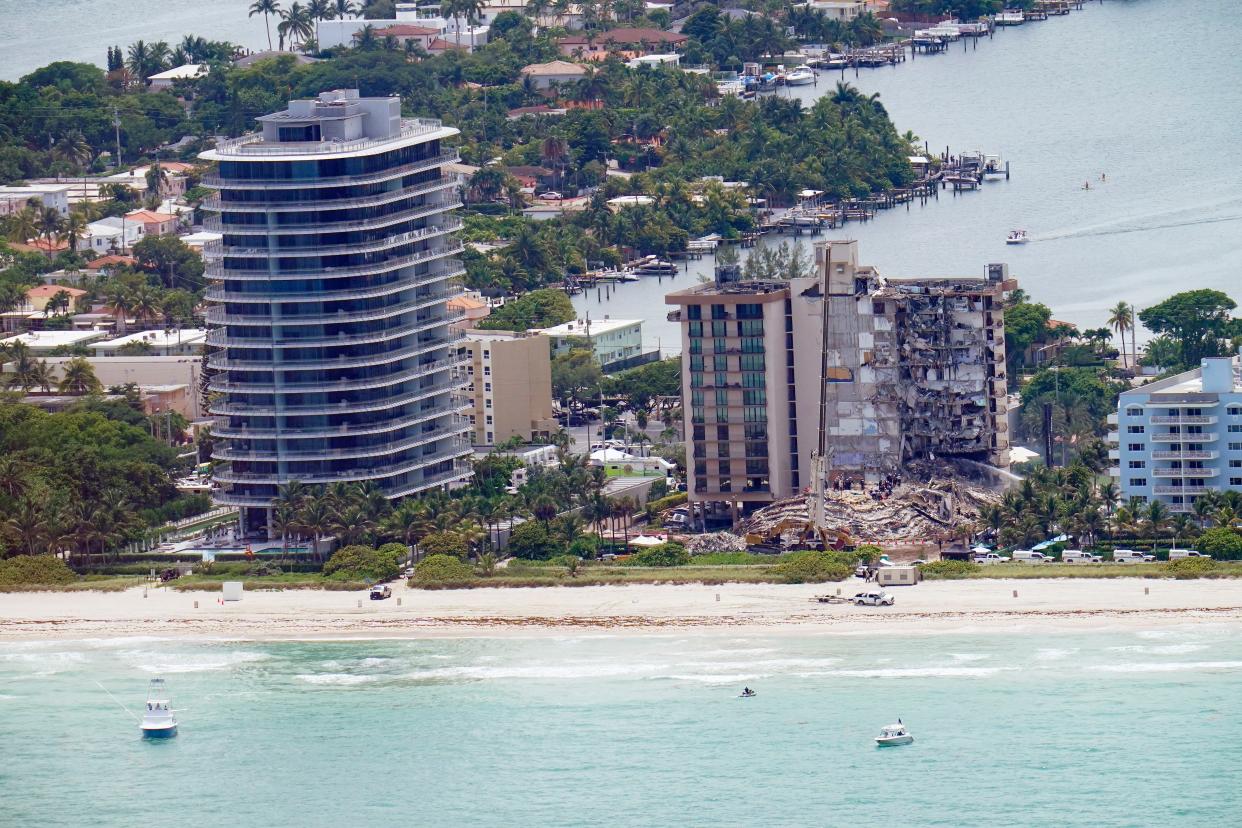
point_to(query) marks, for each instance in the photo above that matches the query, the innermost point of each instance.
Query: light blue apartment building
(1181, 437)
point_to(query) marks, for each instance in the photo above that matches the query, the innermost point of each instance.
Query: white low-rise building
(165, 80)
(611, 340)
(43, 343)
(114, 233)
(14, 198)
(157, 343)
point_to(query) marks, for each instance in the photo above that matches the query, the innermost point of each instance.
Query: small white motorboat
(799, 76)
(893, 735)
(159, 720)
(1010, 17)
(1017, 237)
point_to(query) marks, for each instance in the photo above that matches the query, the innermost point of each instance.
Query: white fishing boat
(994, 168)
(1017, 237)
(159, 720)
(799, 76)
(653, 266)
(893, 735)
(1010, 17)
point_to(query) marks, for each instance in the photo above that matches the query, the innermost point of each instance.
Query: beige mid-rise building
(510, 386)
(887, 370)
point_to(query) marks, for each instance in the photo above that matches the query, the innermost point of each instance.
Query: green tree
(265, 8)
(1198, 320)
(532, 541)
(537, 309)
(444, 543)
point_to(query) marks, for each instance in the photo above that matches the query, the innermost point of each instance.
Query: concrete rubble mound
(715, 542)
(937, 501)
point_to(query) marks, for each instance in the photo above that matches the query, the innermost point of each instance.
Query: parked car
(1077, 556)
(551, 195)
(1127, 556)
(990, 558)
(1026, 556)
(381, 591)
(873, 598)
(1179, 554)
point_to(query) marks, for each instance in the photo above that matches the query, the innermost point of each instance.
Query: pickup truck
(1178, 554)
(1077, 556)
(873, 598)
(381, 591)
(1126, 556)
(990, 558)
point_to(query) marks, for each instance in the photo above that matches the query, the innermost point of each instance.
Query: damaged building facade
(886, 370)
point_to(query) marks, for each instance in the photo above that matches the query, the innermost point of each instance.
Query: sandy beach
(943, 606)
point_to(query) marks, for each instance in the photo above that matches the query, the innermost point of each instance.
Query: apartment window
(755, 414)
(695, 329)
(491, 437)
(1140, 498)
(1135, 429)
(753, 379)
(752, 345)
(694, 312)
(1235, 446)
(750, 310)
(696, 346)
(877, 308)
(722, 397)
(488, 403)
(722, 379)
(752, 362)
(699, 433)
(1235, 429)
(756, 432)
(754, 396)
(1235, 481)
(756, 448)
(757, 467)
(489, 419)
(697, 415)
(718, 312)
(720, 328)
(750, 327)
(696, 379)
(722, 449)
(1137, 447)
(696, 397)
(722, 415)
(696, 363)
(1235, 410)
(722, 468)
(487, 370)
(487, 386)
(1134, 411)
(720, 345)
(1138, 464)
(1138, 482)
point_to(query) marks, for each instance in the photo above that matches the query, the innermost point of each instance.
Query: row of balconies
(372, 246)
(1182, 490)
(275, 228)
(451, 269)
(454, 449)
(1184, 420)
(225, 451)
(218, 182)
(458, 473)
(219, 316)
(1184, 472)
(1182, 455)
(221, 382)
(222, 362)
(1183, 438)
(378, 199)
(223, 429)
(220, 337)
(229, 407)
(217, 270)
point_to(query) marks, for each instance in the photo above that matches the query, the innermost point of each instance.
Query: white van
(1077, 556)
(1178, 554)
(1126, 556)
(1027, 556)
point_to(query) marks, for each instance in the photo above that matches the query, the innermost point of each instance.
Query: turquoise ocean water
(1109, 729)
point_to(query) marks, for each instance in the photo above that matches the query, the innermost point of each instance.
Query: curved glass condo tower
(333, 354)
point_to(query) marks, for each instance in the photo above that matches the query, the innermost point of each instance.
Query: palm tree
(24, 224)
(315, 517)
(74, 229)
(29, 525)
(319, 10)
(43, 376)
(14, 477)
(121, 301)
(344, 9)
(1121, 320)
(51, 223)
(78, 377)
(365, 39)
(297, 24)
(265, 8)
(73, 149)
(146, 304)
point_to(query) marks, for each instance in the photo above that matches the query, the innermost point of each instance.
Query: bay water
(1107, 728)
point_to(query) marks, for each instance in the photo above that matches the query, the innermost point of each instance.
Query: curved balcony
(216, 271)
(1184, 420)
(217, 293)
(221, 383)
(375, 245)
(221, 362)
(227, 453)
(409, 214)
(460, 472)
(342, 407)
(217, 316)
(1193, 473)
(460, 449)
(217, 182)
(215, 204)
(286, 433)
(1185, 455)
(221, 338)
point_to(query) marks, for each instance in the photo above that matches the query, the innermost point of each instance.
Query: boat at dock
(1017, 237)
(799, 76)
(159, 720)
(994, 168)
(652, 266)
(1010, 17)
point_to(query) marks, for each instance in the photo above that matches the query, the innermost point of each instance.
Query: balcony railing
(1185, 473)
(221, 383)
(1185, 455)
(1184, 438)
(220, 337)
(1184, 420)
(374, 245)
(217, 182)
(343, 407)
(218, 205)
(222, 429)
(216, 271)
(454, 450)
(217, 316)
(218, 293)
(1181, 490)
(224, 450)
(252, 144)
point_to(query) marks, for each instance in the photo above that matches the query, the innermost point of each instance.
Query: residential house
(555, 72)
(165, 80)
(155, 343)
(37, 298)
(473, 308)
(43, 343)
(630, 42)
(114, 234)
(14, 198)
(532, 178)
(405, 33)
(153, 223)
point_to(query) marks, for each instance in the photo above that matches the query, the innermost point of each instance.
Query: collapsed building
(843, 377)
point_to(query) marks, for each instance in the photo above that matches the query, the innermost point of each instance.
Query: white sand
(942, 606)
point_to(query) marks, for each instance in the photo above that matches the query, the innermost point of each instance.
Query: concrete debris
(714, 542)
(935, 502)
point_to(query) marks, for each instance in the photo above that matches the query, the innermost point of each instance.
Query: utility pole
(116, 123)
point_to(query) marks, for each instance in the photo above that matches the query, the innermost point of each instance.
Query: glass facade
(332, 357)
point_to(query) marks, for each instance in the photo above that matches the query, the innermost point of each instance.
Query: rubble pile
(714, 542)
(936, 501)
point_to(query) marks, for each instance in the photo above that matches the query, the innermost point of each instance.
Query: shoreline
(931, 608)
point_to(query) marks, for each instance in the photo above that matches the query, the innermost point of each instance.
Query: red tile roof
(406, 30)
(48, 291)
(108, 261)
